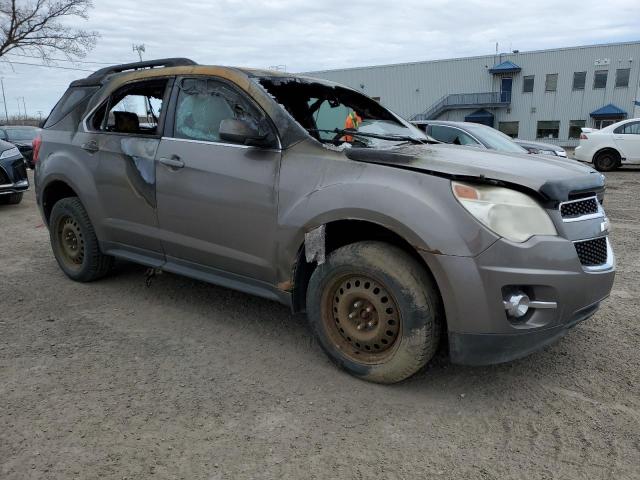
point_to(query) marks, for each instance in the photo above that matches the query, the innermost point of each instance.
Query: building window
(527, 85)
(548, 129)
(551, 82)
(622, 77)
(509, 128)
(600, 79)
(575, 128)
(579, 79)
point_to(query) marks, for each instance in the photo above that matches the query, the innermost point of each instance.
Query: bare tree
(39, 27)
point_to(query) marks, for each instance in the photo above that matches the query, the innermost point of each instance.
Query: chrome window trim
(590, 216)
(222, 144)
(608, 265)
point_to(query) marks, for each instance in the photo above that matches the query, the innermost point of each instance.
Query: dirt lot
(188, 380)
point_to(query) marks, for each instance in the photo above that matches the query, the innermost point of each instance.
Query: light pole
(25, 108)
(139, 48)
(19, 112)
(4, 101)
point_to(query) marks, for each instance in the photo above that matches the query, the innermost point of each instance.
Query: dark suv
(314, 195)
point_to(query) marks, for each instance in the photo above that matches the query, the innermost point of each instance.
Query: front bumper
(13, 176)
(547, 268)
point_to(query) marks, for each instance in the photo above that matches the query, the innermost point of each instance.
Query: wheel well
(53, 192)
(607, 149)
(339, 234)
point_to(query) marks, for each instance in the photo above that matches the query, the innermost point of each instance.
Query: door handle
(173, 162)
(91, 146)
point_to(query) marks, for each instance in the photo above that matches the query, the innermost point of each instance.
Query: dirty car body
(261, 211)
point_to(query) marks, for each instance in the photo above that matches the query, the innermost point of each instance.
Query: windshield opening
(340, 116)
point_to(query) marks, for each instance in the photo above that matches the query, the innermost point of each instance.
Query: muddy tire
(606, 161)
(74, 242)
(11, 199)
(375, 311)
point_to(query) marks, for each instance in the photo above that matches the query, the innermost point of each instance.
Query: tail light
(583, 137)
(37, 142)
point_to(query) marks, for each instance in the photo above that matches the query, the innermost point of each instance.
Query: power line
(49, 66)
(63, 59)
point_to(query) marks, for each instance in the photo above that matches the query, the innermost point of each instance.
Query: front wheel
(11, 199)
(375, 311)
(74, 242)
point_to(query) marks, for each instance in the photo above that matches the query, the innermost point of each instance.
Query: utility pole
(25, 108)
(139, 48)
(4, 100)
(19, 112)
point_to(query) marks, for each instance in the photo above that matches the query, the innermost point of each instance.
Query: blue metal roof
(505, 67)
(609, 111)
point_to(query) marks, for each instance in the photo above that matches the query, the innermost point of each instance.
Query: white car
(611, 147)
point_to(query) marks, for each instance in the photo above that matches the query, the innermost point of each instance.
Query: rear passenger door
(124, 134)
(217, 199)
(627, 137)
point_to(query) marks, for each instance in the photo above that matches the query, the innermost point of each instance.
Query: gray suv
(314, 195)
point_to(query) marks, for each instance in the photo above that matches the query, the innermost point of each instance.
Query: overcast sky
(320, 35)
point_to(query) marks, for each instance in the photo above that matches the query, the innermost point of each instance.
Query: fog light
(517, 304)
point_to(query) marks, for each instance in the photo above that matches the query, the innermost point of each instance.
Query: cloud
(305, 35)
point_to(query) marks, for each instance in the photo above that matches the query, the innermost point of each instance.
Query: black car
(13, 174)
(22, 137)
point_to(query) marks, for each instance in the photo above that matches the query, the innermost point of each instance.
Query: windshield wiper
(355, 133)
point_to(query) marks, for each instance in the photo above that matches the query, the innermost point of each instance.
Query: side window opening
(203, 104)
(134, 109)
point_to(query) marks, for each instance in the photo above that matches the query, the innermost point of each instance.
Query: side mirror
(241, 131)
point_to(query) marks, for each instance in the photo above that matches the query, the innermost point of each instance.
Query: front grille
(4, 178)
(19, 171)
(592, 252)
(579, 208)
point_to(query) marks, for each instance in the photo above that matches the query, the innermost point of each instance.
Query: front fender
(417, 206)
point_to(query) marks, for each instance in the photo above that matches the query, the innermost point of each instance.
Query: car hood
(553, 178)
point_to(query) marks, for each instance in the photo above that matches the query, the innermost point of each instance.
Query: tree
(39, 27)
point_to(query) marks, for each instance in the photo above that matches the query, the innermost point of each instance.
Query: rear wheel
(74, 242)
(11, 199)
(375, 311)
(606, 161)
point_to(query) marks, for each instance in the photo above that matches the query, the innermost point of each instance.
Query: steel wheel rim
(362, 318)
(71, 242)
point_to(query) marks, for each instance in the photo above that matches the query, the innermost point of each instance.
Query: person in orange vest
(353, 121)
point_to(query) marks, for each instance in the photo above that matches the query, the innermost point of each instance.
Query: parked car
(469, 134)
(387, 239)
(483, 136)
(611, 147)
(13, 174)
(540, 148)
(22, 137)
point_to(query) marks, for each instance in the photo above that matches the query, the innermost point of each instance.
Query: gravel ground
(188, 380)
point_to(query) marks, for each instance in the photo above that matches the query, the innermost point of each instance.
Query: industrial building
(544, 94)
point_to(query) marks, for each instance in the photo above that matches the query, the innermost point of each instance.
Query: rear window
(71, 99)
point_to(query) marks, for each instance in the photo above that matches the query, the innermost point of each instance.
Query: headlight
(12, 152)
(509, 213)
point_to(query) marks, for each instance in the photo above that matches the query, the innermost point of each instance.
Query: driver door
(217, 199)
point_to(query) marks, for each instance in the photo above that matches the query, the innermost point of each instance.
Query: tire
(606, 161)
(375, 311)
(11, 199)
(74, 242)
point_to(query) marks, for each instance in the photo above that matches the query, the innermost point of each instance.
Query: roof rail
(163, 62)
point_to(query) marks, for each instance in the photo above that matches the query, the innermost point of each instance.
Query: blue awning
(505, 67)
(609, 111)
(480, 116)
